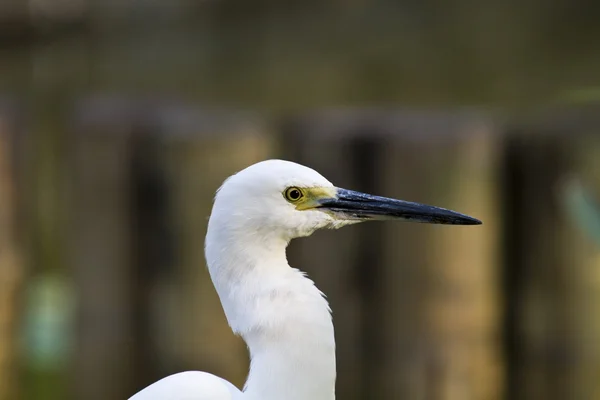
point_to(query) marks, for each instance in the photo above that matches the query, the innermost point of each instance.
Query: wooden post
(464, 310)
(100, 253)
(582, 252)
(11, 266)
(438, 297)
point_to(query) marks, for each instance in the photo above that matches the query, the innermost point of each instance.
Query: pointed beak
(349, 204)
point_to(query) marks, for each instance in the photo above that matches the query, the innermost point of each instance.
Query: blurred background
(120, 118)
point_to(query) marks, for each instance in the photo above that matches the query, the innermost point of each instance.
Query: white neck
(281, 315)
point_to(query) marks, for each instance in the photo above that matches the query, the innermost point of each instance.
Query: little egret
(283, 318)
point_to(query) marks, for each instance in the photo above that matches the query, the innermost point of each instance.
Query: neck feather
(283, 318)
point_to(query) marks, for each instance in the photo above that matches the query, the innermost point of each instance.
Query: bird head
(291, 200)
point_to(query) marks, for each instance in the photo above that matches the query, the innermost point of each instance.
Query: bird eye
(293, 194)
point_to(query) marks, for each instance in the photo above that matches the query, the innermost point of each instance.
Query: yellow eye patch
(307, 198)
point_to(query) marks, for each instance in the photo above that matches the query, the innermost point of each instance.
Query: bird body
(282, 316)
(190, 385)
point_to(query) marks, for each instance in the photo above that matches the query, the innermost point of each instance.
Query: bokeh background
(119, 119)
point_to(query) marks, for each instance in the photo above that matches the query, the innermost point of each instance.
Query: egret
(282, 316)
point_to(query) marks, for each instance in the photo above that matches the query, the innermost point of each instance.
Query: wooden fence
(12, 273)
(506, 310)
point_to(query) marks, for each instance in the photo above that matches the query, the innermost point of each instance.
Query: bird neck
(283, 318)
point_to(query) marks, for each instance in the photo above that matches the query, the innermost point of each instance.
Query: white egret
(283, 318)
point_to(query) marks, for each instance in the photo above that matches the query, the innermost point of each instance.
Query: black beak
(356, 205)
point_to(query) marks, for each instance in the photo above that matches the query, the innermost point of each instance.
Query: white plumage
(281, 315)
